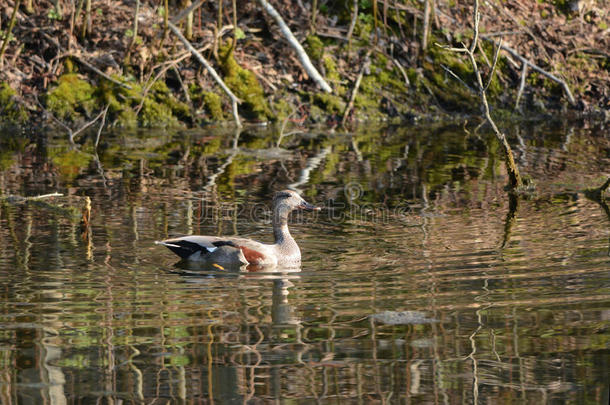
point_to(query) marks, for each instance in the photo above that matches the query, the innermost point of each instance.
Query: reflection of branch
(597, 194)
(312, 163)
(511, 217)
(221, 169)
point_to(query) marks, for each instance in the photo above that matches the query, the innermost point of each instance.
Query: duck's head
(288, 200)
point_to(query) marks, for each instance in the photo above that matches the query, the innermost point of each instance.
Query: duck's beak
(304, 205)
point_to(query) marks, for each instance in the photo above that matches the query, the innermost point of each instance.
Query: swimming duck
(241, 251)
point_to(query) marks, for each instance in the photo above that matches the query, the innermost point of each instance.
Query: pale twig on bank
(350, 105)
(234, 100)
(99, 130)
(294, 43)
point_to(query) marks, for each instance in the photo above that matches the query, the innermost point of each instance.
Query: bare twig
(511, 167)
(424, 35)
(495, 63)
(350, 105)
(7, 35)
(403, 72)
(99, 72)
(521, 85)
(352, 23)
(99, 130)
(302, 55)
(80, 60)
(538, 69)
(234, 100)
(165, 67)
(88, 124)
(457, 78)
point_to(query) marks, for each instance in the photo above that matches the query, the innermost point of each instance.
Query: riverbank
(66, 65)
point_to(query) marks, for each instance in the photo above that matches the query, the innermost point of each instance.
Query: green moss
(10, 110)
(282, 108)
(333, 76)
(330, 103)
(244, 84)
(158, 109)
(315, 47)
(71, 98)
(213, 105)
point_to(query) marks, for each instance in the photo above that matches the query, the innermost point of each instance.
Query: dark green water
(509, 302)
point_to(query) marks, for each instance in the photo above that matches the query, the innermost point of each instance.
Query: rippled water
(420, 283)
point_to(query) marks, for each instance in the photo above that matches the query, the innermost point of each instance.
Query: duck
(236, 251)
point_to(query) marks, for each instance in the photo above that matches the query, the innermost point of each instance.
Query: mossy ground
(74, 98)
(244, 84)
(11, 111)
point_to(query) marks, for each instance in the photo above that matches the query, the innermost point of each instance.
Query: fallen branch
(537, 68)
(301, 54)
(83, 62)
(350, 105)
(99, 72)
(234, 100)
(72, 133)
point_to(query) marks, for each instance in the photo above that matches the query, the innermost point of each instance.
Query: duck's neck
(280, 226)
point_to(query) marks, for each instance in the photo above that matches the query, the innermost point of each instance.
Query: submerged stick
(234, 100)
(294, 43)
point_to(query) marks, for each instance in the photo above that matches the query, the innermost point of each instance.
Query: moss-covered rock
(71, 98)
(11, 111)
(244, 84)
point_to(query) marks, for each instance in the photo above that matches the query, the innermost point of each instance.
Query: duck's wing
(206, 247)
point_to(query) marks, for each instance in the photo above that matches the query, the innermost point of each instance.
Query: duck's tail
(184, 248)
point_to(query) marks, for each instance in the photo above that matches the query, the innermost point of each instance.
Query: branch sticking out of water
(597, 194)
(513, 172)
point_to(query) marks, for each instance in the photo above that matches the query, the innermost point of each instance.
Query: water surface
(421, 281)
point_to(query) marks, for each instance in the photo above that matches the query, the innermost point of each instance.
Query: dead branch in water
(234, 100)
(294, 43)
(511, 167)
